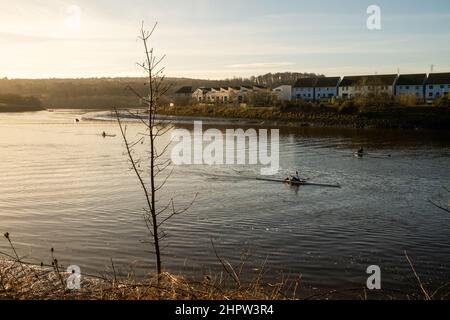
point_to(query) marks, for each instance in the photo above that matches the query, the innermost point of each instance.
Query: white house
(411, 84)
(225, 94)
(283, 92)
(304, 89)
(352, 86)
(200, 94)
(436, 85)
(326, 88)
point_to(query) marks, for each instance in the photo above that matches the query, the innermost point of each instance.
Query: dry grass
(21, 280)
(25, 281)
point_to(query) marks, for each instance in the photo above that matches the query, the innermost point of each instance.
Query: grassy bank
(20, 280)
(395, 117)
(25, 281)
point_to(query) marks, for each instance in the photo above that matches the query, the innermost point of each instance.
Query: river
(64, 186)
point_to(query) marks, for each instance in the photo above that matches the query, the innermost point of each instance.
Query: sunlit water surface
(63, 185)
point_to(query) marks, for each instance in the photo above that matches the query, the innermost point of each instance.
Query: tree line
(108, 92)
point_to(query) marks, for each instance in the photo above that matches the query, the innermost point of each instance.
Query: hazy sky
(216, 39)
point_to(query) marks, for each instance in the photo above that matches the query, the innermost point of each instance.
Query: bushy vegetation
(408, 99)
(343, 113)
(110, 92)
(442, 102)
(15, 102)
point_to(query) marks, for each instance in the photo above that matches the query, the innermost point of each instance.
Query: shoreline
(354, 123)
(27, 281)
(177, 119)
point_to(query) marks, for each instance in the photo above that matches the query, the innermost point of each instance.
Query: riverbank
(394, 118)
(19, 108)
(21, 281)
(26, 281)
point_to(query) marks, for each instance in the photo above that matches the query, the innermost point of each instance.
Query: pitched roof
(383, 79)
(305, 83)
(438, 78)
(204, 89)
(411, 79)
(186, 89)
(328, 82)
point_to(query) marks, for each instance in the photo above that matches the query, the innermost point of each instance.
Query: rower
(361, 151)
(296, 177)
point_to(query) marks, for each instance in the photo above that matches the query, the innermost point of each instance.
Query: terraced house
(201, 94)
(352, 86)
(411, 84)
(326, 88)
(304, 89)
(437, 85)
(226, 94)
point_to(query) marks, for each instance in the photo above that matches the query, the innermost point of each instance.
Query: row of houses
(424, 87)
(220, 94)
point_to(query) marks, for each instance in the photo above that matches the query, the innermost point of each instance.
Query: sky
(213, 39)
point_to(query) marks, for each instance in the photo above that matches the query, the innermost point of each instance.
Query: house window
(407, 87)
(417, 88)
(442, 86)
(430, 94)
(431, 87)
(401, 87)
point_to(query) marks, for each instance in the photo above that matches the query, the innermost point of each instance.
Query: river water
(63, 185)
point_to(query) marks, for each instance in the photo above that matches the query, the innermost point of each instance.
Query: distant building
(183, 92)
(326, 88)
(225, 94)
(352, 86)
(304, 89)
(411, 84)
(437, 85)
(283, 92)
(201, 94)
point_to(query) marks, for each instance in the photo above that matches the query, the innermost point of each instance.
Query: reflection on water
(63, 185)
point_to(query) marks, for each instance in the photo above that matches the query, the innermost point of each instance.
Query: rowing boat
(300, 183)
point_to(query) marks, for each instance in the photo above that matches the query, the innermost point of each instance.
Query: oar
(300, 182)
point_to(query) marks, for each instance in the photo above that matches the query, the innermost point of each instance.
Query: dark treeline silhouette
(108, 92)
(14, 102)
(273, 79)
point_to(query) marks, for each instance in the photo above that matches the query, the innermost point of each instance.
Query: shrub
(348, 107)
(442, 102)
(408, 99)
